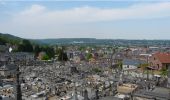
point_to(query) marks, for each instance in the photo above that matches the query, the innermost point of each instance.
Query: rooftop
(126, 88)
(163, 57)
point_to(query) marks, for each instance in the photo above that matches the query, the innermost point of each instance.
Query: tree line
(50, 51)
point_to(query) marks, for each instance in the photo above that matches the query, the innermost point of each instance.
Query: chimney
(18, 86)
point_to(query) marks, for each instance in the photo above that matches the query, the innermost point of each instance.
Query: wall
(154, 62)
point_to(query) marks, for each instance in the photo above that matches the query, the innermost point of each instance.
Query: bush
(96, 70)
(45, 57)
(164, 71)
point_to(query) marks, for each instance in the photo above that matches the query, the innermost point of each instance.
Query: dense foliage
(10, 39)
(23, 45)
(45, 57)
(62, 56)
(164, 71)
(89, 56)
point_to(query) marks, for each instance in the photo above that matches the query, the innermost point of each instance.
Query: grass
(157, 72)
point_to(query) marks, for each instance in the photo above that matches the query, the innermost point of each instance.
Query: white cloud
(38, 19)
(34, 9)
(37, 13)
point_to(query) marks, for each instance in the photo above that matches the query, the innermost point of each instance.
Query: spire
(18, 86)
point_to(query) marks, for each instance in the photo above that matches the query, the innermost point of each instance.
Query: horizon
(86, 38)
(128, 20)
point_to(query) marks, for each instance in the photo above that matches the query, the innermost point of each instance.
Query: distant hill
(111, 42)
(65, 41)
(7, 38)
(11, 39)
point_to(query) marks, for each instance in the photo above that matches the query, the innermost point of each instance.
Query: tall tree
(50, 51)
(25, 46)
(2, 41)
(62, 56)
(28, 46)
(37, 50)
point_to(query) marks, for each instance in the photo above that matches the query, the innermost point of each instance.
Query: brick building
(159, 60)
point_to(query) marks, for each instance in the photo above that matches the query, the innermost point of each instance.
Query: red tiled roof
(163, 57)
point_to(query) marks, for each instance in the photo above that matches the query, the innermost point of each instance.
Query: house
(159, 60)
(20, 56)
(3, 48)
(126, 88)
(153, 49)
(76, 59)
(17, 57)
(118, 57)
(132, 63)
(8, 70)
(4, 57)
(144, 56)
(41, 55)
(95, 55)
(70, 54)
(92, 60)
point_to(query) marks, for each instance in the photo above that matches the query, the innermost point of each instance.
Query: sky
(113, 19)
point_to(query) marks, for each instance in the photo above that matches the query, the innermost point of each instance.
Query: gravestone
(86, 95)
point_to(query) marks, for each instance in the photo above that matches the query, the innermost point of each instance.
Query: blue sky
(124, 19)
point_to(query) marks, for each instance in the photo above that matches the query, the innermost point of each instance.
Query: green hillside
(7, 38)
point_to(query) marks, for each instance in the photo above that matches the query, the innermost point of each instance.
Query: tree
(20, 47)
(2, 41)
(28, 46)
(81, 48)
(45, 57)
(37, 50)
(120, 65)
(49, 50)
(25, 46)
(89, 56)
(62, 56)
(164, 71)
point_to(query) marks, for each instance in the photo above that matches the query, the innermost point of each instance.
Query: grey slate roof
(132, 62)
(8, 67)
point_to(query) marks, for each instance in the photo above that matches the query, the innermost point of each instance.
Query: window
(166, 66)
(158, 66)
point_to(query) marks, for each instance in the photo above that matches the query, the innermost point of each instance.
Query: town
(84, 49)
(82, 72)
